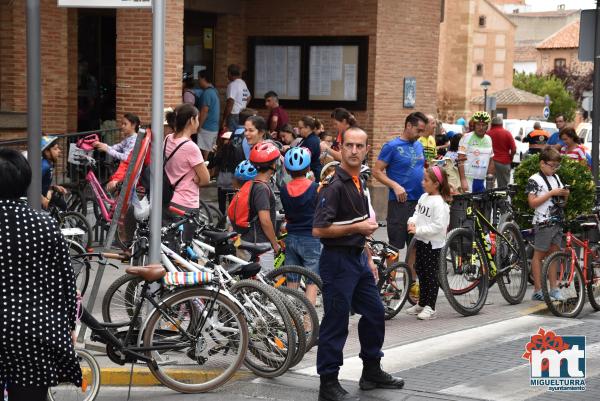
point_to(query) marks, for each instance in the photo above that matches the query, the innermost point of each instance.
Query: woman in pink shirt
(186, 169)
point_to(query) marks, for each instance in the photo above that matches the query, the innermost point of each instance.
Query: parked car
(584, 132)
(459, 129)
(515, 127)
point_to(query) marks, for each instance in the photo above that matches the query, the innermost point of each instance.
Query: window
(309, 72)
(482, 21)
(560, 63)
(479, 70)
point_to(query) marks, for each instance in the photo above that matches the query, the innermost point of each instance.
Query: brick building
(96, 64)
(561, 50)
(476, 44)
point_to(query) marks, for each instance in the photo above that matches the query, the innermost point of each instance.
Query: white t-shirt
(547, 210)
(479, 153)
(431, 219)
(238, 91)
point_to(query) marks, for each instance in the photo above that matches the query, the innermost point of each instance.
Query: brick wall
(59, 68)
(134, 59)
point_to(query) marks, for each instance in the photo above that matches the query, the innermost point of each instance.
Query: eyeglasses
(553, 166)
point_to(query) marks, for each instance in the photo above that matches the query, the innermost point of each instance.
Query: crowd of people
(319, 179)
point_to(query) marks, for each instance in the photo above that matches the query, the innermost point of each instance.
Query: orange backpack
(239, 208)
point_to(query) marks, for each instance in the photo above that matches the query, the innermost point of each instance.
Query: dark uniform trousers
(348, 283)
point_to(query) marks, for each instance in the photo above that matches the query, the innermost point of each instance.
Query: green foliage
(561, 100)
(573, 173)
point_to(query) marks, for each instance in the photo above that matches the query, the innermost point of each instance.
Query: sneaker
(414, 310)
(414, 290)
(537, 296)
(555, 295)
(427, 313)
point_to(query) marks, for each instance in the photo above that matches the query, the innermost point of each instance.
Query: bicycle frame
(477, 217)
(101, 197)
(585, 245)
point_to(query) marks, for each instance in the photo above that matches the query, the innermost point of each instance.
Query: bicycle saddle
(588, 225)
(244, 271)
(148, 273)
(255, 249)
(219, 236)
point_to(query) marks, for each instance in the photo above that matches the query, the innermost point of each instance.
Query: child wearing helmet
(299, 197)
(51, 151)
(245, 171)
(262, 215)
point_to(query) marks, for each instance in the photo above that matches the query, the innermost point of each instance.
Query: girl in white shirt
(429, 224)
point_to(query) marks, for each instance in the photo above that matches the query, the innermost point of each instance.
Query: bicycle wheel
(121, 298)
(308, 316)
(205, 213)
(513, 282)
(393, 288)
(557, 273)
(90, 385)
(206, 350)
(593, 285)
(294, 308)
(463, 272)
(298, 277)
(272, 340)
(81, 266)
(76, 202)
(76, 220)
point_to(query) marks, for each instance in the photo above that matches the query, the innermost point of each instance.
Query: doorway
(199, 43)
(97, 71)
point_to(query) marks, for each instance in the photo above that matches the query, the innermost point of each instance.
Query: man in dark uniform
(341, 221)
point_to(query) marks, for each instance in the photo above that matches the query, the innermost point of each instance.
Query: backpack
(168, 188)
(236, 142)
(239, 208)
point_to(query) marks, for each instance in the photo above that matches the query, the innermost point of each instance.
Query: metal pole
(158, 67)
(485, 99)
(596, 105)
(34, 103)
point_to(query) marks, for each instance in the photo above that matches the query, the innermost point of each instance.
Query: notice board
(333, 73)
(277, 68)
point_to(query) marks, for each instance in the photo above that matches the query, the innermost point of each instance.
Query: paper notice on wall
(197, 69)
(350, 81)
(277, 68)
(293, 71)
(320, 71)
(336, 61)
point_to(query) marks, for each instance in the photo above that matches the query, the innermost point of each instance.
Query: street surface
(449, 358)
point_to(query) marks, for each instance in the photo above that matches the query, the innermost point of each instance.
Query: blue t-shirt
(210, 98)
(313, 143)
(46, 176)
(405, 165)
(555, 139)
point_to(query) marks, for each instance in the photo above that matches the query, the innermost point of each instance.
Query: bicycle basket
(87, 142)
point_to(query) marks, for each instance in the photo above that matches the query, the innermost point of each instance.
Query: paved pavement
(449, 358)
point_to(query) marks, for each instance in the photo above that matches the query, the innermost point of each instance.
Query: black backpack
(168, 188)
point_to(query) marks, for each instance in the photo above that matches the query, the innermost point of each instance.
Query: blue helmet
(297, 159)
(47, 141)
(245, 171)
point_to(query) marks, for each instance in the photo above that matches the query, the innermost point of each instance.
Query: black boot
(332, 390)
(374, 377)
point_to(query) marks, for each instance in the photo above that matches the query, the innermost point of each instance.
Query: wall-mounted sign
(410, 92)
(106, 3)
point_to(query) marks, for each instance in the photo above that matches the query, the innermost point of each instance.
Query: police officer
(341, 221)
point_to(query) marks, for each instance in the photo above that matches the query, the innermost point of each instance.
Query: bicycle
(202, 329)
(395, 278)
(90, 385)
(72, 224)
(562, 270)
(475, 258)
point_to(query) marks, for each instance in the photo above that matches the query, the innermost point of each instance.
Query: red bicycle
(564, 281)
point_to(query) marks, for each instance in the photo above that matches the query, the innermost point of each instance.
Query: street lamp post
(485, 86)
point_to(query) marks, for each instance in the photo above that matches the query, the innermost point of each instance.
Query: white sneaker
(414, 310)
(427, 313)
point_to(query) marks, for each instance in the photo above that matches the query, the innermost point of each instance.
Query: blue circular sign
(546, 112)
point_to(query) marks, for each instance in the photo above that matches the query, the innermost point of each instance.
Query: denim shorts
(302, 251)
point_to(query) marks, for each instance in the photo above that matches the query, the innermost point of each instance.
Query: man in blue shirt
(400, 167)
(555, 138)
(209, 114)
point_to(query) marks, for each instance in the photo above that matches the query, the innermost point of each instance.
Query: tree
(561, 100)
(576, 81)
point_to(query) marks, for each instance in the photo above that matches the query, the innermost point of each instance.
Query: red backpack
(239, 208)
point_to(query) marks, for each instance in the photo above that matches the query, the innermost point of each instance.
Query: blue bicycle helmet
(297, 159)
(47, 141)
(245, 171)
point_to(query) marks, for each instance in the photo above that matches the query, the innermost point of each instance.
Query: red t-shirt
(282, 118)
(502, 144)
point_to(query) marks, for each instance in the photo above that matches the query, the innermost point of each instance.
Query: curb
(143, 377)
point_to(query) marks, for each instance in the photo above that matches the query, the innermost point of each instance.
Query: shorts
(397, 217)
(545, 236)
(207, 139)
(302, 251)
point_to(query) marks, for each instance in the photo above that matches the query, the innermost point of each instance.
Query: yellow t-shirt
(429, 147)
